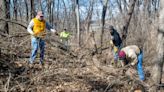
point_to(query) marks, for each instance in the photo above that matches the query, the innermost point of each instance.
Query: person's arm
(49, 27)
(30, 27)
(61, 35)
(133, 56)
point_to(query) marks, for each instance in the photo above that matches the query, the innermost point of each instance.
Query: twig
(6, 87)
(124, 67)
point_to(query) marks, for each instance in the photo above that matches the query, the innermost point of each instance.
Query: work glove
(111, 43)
(112, 38)
(53, 30)
(32, 33)
(132, 63)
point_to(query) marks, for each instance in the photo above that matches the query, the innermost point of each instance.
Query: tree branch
(15, 22)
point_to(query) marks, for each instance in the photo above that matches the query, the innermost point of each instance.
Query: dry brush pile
(76, 70)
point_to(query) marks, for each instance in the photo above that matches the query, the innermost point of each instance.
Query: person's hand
(111, 43)
(53, 30)
(112, 38)
(32, 33)
(132, 63)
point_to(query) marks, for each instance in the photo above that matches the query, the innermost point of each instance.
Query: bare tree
(103, 20)
(127, 21)
(65, 13)
(89, 15)
(49, 9)
(157, 73)
(15, 9)
(57, 13)
(5, 14)
(119, 2)
(77, 21)
(32, 8)
(40, 5)
(27, 14)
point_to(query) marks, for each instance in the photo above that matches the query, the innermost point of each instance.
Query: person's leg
(115, 53)
(139, 67)
(66, 44)
(34, 44)
(42, 46)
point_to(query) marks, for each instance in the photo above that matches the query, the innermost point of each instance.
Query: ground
(70, 71)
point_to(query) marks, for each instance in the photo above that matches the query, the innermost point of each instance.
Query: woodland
(87, 65)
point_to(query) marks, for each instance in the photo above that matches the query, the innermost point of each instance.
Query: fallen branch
(15, 22)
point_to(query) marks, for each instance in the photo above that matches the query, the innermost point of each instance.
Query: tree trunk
(157, 72)
(40, 5)
(15, 9)
(52, 9)
(103, 22)
(120, 5)
(32, 9)
(65, 20)
(57, 15)
(89, 16)
(77, 21)
(26, 4)
(20, 12)
(5, 13)
(127, 21)
(49, 10)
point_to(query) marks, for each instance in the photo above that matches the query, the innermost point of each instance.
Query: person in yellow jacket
(37, 30)
(132, 55)
(64, 36)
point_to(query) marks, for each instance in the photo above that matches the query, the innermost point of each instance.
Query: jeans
(116, 53)
(65, 43)
(139, 67)
(37, 43)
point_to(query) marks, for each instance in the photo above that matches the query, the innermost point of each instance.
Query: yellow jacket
(64, 35)
(39, 27)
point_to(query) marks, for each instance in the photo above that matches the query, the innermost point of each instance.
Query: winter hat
(121, 54)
